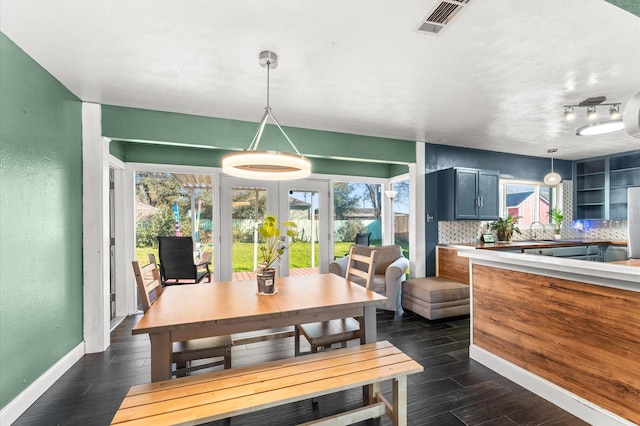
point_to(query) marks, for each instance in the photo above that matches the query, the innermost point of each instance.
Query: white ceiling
(495, 79)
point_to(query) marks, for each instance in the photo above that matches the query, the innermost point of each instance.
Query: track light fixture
(598, 128)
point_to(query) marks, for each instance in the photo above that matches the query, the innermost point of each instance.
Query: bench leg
(399, 417)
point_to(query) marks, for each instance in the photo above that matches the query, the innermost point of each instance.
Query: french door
(244, 203)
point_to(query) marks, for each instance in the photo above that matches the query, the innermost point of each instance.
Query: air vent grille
(444, 11)
(441, 15)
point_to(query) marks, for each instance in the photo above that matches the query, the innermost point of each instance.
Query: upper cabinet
(601, 186)
(468, 194)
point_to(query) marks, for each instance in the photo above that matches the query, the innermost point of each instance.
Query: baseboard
(579, 407)
(22, 402)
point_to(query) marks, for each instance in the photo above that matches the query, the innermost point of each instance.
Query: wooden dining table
(191, 311)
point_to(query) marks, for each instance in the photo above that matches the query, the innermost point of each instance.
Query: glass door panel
(306, 204)
(304, 253)
(245, 203)
(248, 209)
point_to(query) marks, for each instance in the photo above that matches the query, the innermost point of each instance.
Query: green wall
(40, 221)
(168, 138)
(631, 6)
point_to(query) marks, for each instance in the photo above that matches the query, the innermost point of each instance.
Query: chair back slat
(148, 283)
(359, 261)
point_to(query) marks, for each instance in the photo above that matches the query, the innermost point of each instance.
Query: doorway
(244, 205)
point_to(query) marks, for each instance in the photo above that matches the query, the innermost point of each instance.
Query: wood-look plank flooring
(452, 390)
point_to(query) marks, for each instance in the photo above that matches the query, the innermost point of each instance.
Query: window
(530, 200)
(401, 215)
(357, 209)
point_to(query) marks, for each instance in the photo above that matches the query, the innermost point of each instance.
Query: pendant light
(552, 178)
(267, 165)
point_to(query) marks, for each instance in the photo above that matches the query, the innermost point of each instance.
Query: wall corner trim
(22, 402)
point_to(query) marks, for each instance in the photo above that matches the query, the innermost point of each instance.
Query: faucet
(534, 236)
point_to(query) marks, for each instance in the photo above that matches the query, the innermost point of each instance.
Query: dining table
(191, 311)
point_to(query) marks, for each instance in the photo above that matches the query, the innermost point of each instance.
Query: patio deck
(297, 272)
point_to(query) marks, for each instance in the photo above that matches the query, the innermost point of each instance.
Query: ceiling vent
(441, 16)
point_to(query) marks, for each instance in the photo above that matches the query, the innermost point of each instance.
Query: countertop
(504, 245)
(630, 262)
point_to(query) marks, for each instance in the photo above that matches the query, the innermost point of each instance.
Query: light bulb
(614, 112)
(569, 114)
(591, 113)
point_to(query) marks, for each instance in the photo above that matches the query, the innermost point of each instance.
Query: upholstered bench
(435, 297)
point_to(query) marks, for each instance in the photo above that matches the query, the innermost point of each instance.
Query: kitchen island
(565, 329)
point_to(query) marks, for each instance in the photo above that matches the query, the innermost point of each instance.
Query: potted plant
(270, 249)
(557, 217)
(505, 227)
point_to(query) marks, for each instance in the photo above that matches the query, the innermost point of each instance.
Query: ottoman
(435, 297)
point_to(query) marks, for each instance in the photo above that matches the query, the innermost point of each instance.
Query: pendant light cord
(268, 68)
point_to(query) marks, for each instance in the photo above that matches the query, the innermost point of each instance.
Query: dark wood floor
(452, 390)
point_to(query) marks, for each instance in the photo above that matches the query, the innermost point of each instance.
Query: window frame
(555, 198)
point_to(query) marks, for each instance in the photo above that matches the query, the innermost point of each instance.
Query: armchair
(390, 269)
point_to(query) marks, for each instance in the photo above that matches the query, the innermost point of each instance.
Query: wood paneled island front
(569, 330)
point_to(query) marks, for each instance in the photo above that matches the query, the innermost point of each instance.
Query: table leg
(368, 327)
(160, 356)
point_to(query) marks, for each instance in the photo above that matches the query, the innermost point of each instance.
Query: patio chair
(363, 238)
(325, 333)
(176, 262)
(183, 353)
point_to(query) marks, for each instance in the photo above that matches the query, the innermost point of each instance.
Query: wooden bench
(443, 296)
(222, 394)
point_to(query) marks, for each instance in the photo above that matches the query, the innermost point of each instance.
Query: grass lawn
(243, 254)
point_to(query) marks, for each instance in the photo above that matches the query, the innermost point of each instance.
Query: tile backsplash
(470, 231)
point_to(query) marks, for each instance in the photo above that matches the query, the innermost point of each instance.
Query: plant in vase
(557, 217)
(505, 227)
(270, 249)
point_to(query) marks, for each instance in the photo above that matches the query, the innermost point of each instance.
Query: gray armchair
(390, 269)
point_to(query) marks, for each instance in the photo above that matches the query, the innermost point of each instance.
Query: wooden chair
(149, 290)
(325, 333)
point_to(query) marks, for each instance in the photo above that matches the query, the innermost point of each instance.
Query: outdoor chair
(183, 353)
(363, 238)
(176, 262)
(325, 333)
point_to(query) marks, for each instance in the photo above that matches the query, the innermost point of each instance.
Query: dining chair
(176, 262)
(326, 333)
(149, 290)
